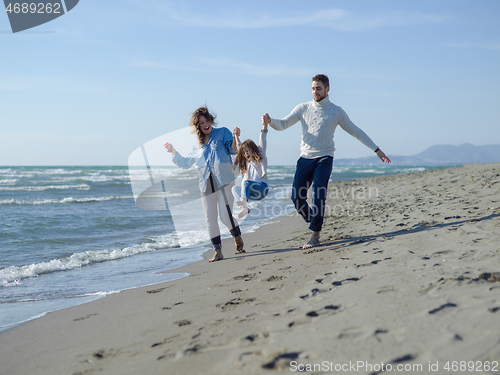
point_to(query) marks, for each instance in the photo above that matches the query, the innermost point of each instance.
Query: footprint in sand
(338, 283)
(83, 318)
(281, 361)
(315, 292)
(369, 264)
(273, 278)
(153, 291)
(234, 303)
(101, 354)
(183, 322)
(313, 314)
(379, 332)
(442, 307)
(245, 277)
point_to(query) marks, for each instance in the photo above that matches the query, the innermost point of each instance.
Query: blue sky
(93, 85)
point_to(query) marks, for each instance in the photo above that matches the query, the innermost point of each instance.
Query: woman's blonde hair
(195, 120)
(241, 161)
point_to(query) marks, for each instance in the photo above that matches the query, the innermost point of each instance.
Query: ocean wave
(178, 194)
(9, 181)
(415, 169)
(46, 187)
(377, 171)
(55, 171)
(183, 239)
(92, 178)
(62, 201)
(99, 178)
(11, 276)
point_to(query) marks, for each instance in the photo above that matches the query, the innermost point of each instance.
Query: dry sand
(407, 274)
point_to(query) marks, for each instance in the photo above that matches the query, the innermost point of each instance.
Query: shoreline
(407, 276)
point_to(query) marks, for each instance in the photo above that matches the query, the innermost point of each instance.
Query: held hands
(236, 139)
(382, 156)
(266, 119)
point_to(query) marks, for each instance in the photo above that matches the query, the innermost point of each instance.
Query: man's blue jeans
(316, 172)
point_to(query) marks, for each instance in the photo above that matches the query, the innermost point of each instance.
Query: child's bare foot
(242, 202)
(313, 241)
(217, 256)
(244, 210)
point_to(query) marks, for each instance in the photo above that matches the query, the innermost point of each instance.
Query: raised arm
(178, 159)
(170, 148)
(282, 124)
(263, 135)
(236, 139)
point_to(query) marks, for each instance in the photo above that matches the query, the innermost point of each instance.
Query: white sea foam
(368, 171)
(177, 194)
(64, 200)
(11, 275)
(46, 187)
(9, 181)
(417, 169)
(55, 171)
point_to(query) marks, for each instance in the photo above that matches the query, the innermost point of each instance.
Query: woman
(216, 176)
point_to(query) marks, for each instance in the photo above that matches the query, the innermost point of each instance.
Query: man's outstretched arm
(282, 124)
(346, 124)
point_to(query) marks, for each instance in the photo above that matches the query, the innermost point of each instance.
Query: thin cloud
(13, 87)
(338, 19)
(235, 66)
(147, 64)
(488, 46)
(228, 65)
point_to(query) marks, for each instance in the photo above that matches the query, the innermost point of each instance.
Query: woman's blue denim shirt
(214, 157)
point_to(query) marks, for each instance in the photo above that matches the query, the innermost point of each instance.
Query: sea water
(69, 235)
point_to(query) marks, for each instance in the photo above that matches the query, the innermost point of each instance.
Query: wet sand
(407, 275)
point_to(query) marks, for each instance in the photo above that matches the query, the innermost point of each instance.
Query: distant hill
(437, 155)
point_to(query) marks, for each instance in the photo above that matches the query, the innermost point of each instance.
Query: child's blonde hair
(241, 161)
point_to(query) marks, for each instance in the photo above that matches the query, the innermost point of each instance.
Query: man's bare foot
(217, 256)
(244, 210)
(313, 241)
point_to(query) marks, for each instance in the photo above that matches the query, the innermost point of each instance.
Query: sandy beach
(406, 280)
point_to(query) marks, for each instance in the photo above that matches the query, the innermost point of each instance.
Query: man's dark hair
(322, 78)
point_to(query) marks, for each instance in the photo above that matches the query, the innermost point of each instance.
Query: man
(319, 119)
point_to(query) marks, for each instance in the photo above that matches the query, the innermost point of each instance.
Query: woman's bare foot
(313, 241)
(244, 211)
(217, 256)
(238, 242)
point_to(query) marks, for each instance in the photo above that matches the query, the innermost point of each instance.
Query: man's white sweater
(319, 121)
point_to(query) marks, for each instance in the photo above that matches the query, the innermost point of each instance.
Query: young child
(252, 161)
